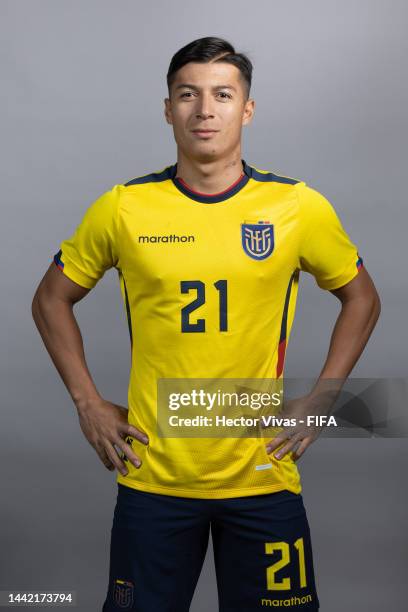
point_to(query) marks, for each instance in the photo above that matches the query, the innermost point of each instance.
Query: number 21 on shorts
(284, 548)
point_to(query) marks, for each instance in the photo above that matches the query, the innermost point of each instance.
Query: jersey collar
(211, 198)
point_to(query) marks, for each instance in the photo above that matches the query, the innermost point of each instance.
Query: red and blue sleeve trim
(359, 262)
(57, 260)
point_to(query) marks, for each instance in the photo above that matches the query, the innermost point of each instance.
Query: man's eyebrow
(189, 86)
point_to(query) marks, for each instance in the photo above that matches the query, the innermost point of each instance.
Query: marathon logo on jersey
(257, 239)
(169, 238)
(123, 593)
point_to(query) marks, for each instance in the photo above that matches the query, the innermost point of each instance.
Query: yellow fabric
(308, 236)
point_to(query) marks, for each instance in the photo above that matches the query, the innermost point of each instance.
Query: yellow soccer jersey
(209, 283)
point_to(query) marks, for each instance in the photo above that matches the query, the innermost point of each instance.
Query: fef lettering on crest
(123, 593)
(257, 239)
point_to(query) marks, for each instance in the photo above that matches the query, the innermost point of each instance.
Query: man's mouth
(204, 133)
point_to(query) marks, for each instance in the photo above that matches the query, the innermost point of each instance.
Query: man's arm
(360, 309)
(102, 422)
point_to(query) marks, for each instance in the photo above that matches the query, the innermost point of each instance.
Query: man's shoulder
(311, 201)
(156, 176)
(270, 176)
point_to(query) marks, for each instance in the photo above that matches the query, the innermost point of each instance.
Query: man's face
(210, 96)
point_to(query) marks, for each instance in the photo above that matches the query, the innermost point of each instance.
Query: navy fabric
(159, 542)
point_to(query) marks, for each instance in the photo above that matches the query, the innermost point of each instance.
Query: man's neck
(210, 177)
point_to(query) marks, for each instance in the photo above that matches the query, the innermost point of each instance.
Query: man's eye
(223, 94)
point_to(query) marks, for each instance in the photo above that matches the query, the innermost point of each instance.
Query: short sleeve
(325, 249)
(92, 249)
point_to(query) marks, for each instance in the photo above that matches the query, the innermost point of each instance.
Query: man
(208, 253)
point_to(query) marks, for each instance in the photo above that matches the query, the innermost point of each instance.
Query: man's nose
(204, 107)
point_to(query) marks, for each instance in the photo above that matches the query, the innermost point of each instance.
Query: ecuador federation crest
(123, 593)
(257, 239)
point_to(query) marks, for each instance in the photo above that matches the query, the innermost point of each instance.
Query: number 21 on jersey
(196, 285)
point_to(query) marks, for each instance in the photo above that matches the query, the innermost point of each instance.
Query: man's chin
(204, 153)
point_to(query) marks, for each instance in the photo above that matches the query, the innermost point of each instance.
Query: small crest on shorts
(123, 593)
(257, 239)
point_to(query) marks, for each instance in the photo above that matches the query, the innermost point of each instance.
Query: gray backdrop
(82, 110)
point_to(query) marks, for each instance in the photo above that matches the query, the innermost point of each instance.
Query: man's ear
(167, 111)
(249, 110)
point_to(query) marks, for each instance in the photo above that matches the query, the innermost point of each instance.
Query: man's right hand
(104, 425)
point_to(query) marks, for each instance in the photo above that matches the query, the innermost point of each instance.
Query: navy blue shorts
(262, 552)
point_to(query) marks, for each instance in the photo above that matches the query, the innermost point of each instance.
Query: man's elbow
(37, 304)
(370, 304)
(43, 302)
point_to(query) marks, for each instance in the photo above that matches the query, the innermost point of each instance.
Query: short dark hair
(204, 50)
